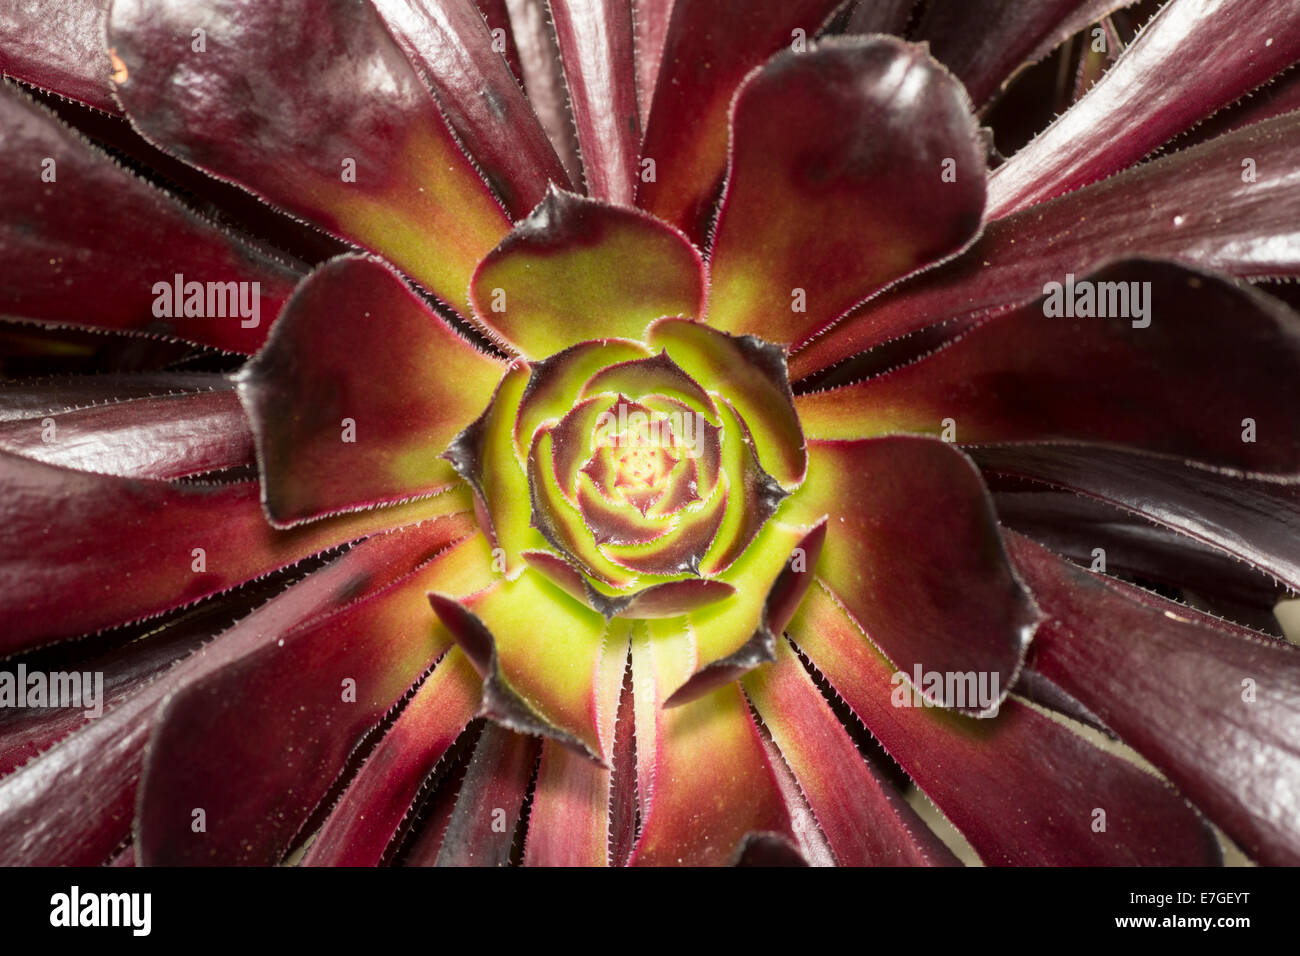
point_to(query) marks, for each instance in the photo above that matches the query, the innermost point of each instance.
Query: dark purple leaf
(864, 818)
(75, 804)
(710, 46)
(452, 46)
(80, 552)
(58, 45)
(880, 16)
(852, 164)
(1213, 709)
(1021, 787)
(497, 779)
(543, 79)
(1165, 360)
(650, 20)
(595, 40)
(1150, 95)
(986, 42)
(287, 715)
(170, 436)
(358, 391)
(912, 549)
(63, 242)
(1193, 207)
(372, 809)
(1254, 521)
(311, 105)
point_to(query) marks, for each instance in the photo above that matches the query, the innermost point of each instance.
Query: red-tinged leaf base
(569, 824)
(357, 393)
(711, 737)
(913, 552)
(852, 164)
(74, 805)
(288, 715)
(539, 653)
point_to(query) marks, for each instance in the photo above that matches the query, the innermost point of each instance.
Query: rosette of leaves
(664, 385)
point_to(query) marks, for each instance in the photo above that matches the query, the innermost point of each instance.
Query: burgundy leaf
(482, 824)
(570, 823)
(126, 669)
(650, 20)
(986, 42)
(75, 804)
(595, 39)
(273, 230)
(287, 715)
(358, 391)
(1213, 709)
(623, 788)
(1166, 360)
(1279, 97)
(864, 818)
(63, 242)
(1077, 526)
(709, 48)
(1194, 207)
(1149, 95)
(1033, 686)
(38, 397)
(497, 15)
(852, 164)
(880, 16)
(363, 823)
(311, 105)
(453, 48)
(169, 436)
(143, 546)
(711, 737)
(1255, 521)
(913, 552)
(1021, 787)
(29, 350)
(543, 79)
(58, 45)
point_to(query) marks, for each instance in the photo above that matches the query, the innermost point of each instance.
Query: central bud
(645, 456)
(650, 490)
(634, 475)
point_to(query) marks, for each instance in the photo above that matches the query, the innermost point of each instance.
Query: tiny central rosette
(644, 456)
(644, 475)
(631, 474)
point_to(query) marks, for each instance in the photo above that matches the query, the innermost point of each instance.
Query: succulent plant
(648, 431)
